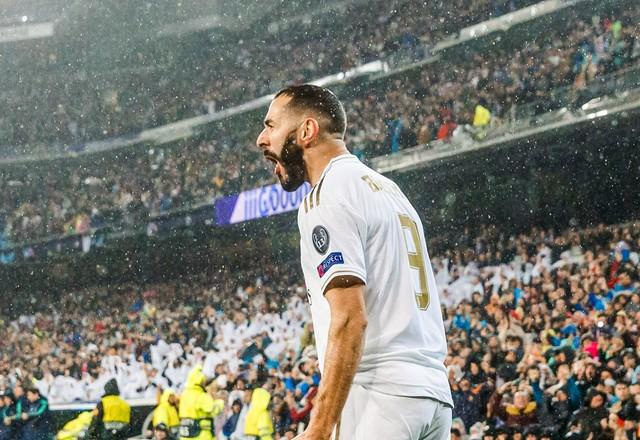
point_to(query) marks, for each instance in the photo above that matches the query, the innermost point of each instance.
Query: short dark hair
(320, 101)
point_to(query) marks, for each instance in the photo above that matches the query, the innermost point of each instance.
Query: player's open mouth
(277, 170)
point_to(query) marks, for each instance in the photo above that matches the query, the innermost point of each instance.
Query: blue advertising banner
(258, 203)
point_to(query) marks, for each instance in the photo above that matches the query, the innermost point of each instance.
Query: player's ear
(310, 131)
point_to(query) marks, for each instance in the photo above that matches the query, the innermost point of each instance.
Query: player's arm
(345, 295)
(333, 237)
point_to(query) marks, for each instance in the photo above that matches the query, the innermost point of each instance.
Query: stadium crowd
(542, 330)
(73, 199)
(474, 94)
(72, 107)
(447, 96)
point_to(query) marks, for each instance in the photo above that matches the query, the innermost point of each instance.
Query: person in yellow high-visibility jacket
(197, 408)
(481, 120)
(167, 412)
(75, 428)
(258, 422)
(482, 116)
(111, 417)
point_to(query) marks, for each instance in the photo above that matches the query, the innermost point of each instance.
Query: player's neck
(320, 156)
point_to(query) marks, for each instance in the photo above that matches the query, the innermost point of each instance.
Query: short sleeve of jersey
(333, 240)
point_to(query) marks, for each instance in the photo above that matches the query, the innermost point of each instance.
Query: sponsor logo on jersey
(320, 238)
(333, 259)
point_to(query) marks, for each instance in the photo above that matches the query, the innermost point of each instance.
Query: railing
(571, 97)
(568, 99)
(510, 132)
(564, 100)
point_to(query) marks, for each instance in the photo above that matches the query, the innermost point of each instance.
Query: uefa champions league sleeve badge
(320, 238)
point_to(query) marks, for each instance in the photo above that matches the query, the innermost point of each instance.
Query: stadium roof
(151, 17)
(103, 29)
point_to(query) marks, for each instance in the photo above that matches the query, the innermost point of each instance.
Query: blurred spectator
(162, 432)
(10, 413)
(258, 423)
(588, 419)
(35, 416)
(521, 412)
(76, 428)
(166, 413)
(232, 421)
(468, 404)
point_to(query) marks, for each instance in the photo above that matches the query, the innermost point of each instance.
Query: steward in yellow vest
(75, 428)
(198, 408)
(111, 417)
(258, 422)
(167, 412)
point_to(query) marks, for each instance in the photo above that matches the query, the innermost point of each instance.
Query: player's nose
(263, 140)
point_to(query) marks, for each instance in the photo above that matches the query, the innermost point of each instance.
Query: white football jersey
(357, 222)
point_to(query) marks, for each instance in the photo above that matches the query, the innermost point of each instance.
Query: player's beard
(292, 161)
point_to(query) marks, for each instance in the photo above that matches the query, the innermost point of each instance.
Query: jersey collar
(341, 157)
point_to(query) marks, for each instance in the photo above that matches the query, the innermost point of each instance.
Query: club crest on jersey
(333, 259)
(320, 238)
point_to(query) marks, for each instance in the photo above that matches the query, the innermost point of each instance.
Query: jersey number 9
(416, 260)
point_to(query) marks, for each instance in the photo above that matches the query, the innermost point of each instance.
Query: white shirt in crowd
(136, 380)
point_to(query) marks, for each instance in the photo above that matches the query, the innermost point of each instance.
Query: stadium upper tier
(58, 97)
(470, 97)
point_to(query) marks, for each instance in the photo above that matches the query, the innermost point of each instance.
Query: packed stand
(407, 29)
(464, 98)
(488, 88)
(542, 330)
(41, 202)
(238, 328)
(546, 347)
(70, 108)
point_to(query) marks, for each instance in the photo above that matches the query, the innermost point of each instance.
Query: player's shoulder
(337, 187)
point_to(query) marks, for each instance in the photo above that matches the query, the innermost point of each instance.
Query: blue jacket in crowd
(38, 425)
(10, 410)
